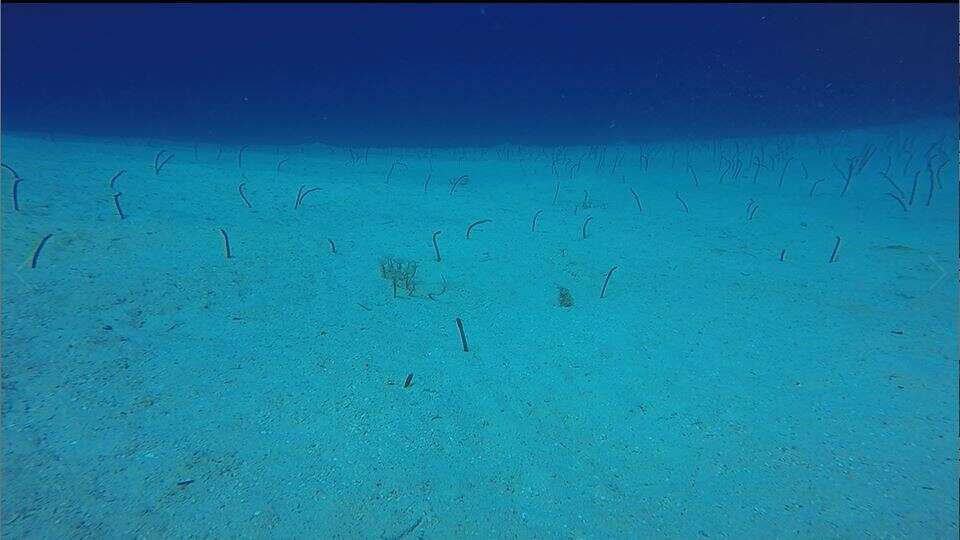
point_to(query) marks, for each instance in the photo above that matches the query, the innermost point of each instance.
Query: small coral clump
(400, 273)
(564, 297)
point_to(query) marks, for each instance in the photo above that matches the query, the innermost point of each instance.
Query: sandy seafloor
(714, 392)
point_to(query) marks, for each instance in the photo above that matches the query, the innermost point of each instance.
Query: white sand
(714, 392)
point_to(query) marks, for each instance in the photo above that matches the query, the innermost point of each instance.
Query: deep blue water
(472, 73)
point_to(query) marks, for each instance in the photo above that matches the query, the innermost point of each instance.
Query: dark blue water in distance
(474, 73)
(470, 271)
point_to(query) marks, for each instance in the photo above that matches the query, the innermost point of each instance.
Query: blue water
(479, 270)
